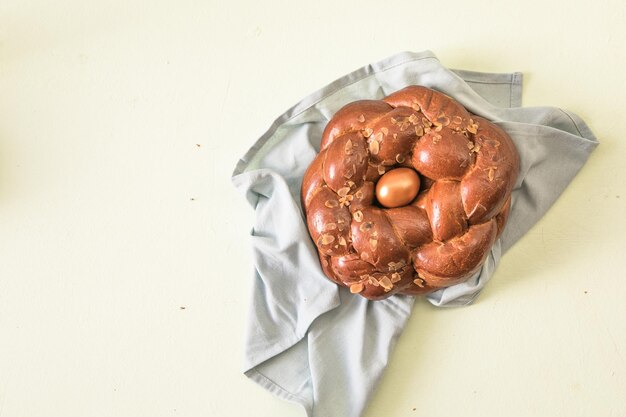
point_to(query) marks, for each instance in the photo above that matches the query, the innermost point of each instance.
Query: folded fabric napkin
(308, 340)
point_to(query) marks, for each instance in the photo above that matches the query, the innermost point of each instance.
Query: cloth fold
(313, 343)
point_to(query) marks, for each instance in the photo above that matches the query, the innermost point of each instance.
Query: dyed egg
(397, 187)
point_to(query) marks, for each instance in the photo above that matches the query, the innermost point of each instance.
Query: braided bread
(380, 229)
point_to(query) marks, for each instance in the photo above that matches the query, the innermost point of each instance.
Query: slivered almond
(356, 288)
(327, 239)
(386, 283)
(361, 118)
(342, 192)
(348, 148)
(374, 147)
(366, 226)
(443, 120)
(367, 132)
(331, 203)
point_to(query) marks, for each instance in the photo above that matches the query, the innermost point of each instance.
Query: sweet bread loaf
(408, 194)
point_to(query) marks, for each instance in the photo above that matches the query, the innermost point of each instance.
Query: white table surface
(124, 260)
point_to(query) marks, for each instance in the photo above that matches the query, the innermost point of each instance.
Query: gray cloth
(311, 342)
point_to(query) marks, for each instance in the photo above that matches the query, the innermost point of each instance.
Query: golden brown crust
(467, 165)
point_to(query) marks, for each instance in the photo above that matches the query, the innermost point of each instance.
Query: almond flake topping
(361, 118)
(374, 147)
(394, 266)
(419, 282)
(419, 130)
(395, 277)
(473, 127)
(356, 288)
(384, 130)
(367, 132)
(327, 239)
(348, 147)
(358, 216)
(342, 192)
(366, 226)
(331, 203)
(381, 169)
(373, 244)
(385, 282)
(443, 120)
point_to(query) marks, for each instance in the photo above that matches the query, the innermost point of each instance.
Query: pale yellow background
(120, 123)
